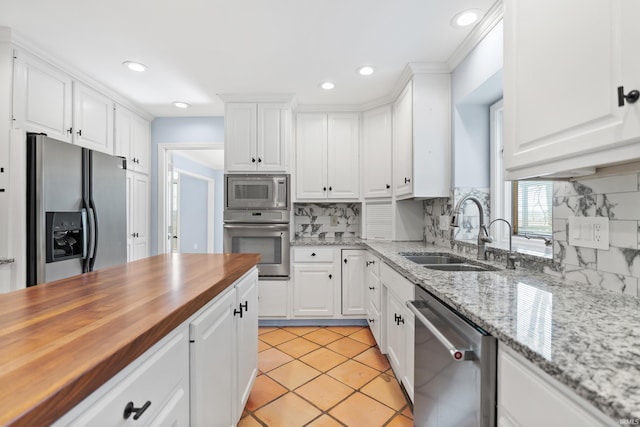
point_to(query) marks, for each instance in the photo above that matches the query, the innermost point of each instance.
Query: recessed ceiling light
(466, 18)
(327, 85)
(135, 66)
(180, 104)
(366, 70)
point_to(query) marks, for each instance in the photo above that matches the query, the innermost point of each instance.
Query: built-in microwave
(257, 191)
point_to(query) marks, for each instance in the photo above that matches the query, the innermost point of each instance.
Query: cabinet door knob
(324, 188)
(388, 186)
(131, 409)
(259, 160)
(407, 180)
(631, 97)
(345, 260)
(79, 132)
(330, 189)
(70, 130)
(253, 160)
(313, 254)
(331, 276)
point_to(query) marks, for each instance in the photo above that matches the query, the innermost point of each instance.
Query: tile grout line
(396, 413)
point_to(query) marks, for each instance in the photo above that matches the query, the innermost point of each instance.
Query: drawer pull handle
(130, 409)
(371, 287)
(371, 320)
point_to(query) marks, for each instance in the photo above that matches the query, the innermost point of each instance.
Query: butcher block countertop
(62, 340)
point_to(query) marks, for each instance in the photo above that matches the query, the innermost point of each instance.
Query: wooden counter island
(62, 341)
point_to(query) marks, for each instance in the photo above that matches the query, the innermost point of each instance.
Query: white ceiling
(196, 49)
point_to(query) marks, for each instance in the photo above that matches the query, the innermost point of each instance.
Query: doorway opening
(190, 197)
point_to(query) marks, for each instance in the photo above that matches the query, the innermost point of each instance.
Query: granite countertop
(585, 337)
(6, 260)
(313, 241)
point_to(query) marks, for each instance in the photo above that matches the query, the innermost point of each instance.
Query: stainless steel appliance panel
(244, 191)
(271, 241)
(56, 180)
(108, 199)
(455, 368)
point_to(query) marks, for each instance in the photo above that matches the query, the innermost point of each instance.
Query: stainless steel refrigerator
(76, 210)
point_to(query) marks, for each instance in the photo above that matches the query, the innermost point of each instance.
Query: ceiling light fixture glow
(135, 66)
(466, 18)
(327, 85)
(180, 104)
(366, 70)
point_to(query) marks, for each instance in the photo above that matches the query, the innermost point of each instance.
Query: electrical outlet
(589, 232)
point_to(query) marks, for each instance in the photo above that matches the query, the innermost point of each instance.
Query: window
(526, 204)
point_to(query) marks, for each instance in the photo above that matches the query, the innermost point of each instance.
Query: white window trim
(501, 193)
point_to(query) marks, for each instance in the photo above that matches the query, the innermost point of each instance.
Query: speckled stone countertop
(585, 337)
(345, 241)
(6, 260)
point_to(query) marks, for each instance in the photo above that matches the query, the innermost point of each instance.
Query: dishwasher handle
(458, 354)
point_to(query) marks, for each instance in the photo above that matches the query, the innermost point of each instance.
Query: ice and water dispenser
(65, 236)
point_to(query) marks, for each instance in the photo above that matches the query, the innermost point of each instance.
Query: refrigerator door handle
(84, 233)
(92, 234)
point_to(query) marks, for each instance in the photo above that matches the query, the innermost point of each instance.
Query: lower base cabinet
(200, 374)
(528, 397)
(273, 296)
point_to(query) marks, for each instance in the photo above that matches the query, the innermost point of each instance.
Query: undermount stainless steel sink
(458, 267)
(434, 259)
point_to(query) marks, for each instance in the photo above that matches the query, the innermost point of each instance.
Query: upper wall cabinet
(47, 100)
(92, 119)
(569, 90)
(422, 137)
(42, 98)
(132, 139)
(327, 156)
(256, 136)
(377, 152)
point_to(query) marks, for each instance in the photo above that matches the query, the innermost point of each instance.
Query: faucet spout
(483, 233)
(511, 258)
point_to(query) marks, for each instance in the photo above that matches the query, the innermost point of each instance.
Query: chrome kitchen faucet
(482, 239)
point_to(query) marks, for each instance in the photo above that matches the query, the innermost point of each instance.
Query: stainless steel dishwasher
(455, 368)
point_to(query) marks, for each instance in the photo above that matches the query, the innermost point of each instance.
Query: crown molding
(328, 108)
(413, 68)
(479, 32)
(385, 100)
(287, 98)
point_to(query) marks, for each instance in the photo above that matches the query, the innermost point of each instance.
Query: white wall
(475, 84)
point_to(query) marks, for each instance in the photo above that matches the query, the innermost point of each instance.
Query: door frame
(163, 158)
(210, 204)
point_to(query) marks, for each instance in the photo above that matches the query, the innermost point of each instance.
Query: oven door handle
(458, 354)
(284, 227)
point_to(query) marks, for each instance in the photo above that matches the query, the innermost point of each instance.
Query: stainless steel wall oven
(256, 220)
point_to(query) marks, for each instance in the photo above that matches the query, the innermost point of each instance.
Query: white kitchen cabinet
(399, 322)
(42, 97)
(373, 291)
(377, 152)
(247, 339)
(256, 137)
(137, 216)
(47, 100)
(327, 156)
(561, 103)
(353, 289)
(159, 378)
(314, 282)
(273, 298)
(132, 139)
(224, 355)
(528, 397)
(92, 119)
(422, 137)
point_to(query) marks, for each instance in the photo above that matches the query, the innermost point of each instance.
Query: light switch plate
(589, 232)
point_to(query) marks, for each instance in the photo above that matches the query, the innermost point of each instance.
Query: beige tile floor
(323, 377)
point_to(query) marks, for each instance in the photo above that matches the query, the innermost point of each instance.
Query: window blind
(532, 213)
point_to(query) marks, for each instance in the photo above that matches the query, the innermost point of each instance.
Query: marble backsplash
(326, 220)
(618, 198)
